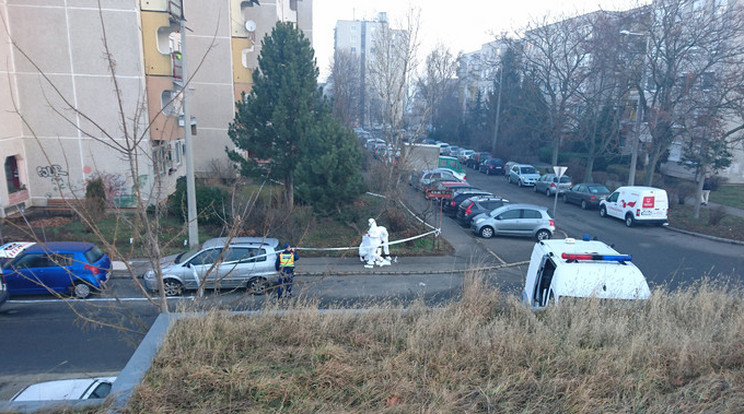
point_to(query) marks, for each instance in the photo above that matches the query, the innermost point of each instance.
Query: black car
(587, 195)
(476, 159)
(492, 166)
(450, 206)
(473, 206)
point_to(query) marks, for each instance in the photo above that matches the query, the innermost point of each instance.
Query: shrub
(684, 191)
(716, 215)
(600, 177)
(95, 197)
(211, 203)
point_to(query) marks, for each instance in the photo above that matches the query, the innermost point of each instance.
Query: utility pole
(193, 225)
(639, 111)
(498, 110)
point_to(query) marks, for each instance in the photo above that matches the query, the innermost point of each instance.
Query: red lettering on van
(648, 202)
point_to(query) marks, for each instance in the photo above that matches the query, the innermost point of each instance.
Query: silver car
(241, 262)
(549, 184)
(515, 220)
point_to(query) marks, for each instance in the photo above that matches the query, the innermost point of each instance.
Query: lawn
(729, 195)
(729, 227)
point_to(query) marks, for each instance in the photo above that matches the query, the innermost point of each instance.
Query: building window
(12, 175)
(293, 5)
(179, 152)
(169, 39)
(169, 101)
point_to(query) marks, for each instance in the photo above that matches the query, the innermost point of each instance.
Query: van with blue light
(586, 268)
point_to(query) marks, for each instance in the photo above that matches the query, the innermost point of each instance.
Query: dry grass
(678, 352)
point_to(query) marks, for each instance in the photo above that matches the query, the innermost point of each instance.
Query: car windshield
(565, 179)
(595, 189)
(186, 254)
(528, 170)
(94, 254)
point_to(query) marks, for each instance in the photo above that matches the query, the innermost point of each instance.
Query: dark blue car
(62, 267)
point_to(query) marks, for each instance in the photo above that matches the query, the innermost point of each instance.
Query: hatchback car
(549, 184)
(587, 195)
(515, 220)
(458, 196)
(476, 159)
(492, 166)
(244, 262)
(473, 206)
(523, 175)
(62, 267)
(429, 176)
(68, 389)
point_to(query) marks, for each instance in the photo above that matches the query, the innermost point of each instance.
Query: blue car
(78, 268)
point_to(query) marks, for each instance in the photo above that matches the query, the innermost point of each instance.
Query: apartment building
(97, 92)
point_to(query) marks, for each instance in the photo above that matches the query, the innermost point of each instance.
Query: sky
(458, 25)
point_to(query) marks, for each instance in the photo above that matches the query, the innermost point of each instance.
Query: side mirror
(187, 264)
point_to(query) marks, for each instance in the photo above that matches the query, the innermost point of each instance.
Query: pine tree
(285, 129)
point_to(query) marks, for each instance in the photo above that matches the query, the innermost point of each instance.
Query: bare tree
(557, 59)
(436, 83)
(345, 85)
(692, 46)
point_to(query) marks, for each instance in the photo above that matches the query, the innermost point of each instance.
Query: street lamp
(638, 114)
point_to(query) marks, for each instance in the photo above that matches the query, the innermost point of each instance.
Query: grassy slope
(681, 352)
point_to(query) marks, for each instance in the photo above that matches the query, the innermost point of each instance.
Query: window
(206, 257)
(169, 39)
(179, 152)
(94, 254)
(510, 215)
(33, 260)
(169, 102)
(531, 214)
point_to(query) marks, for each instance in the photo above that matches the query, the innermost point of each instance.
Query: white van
(580, 269)
(636, 205)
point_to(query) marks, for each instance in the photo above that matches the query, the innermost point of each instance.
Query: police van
(636, 204)
(580, 269)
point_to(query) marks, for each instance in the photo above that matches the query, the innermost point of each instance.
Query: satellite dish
(250, 25)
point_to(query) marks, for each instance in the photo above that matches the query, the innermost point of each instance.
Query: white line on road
(93, 300)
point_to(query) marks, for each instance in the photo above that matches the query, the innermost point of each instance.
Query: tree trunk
(289, 192)
(651, 166)
(699, 193)
(589, 168)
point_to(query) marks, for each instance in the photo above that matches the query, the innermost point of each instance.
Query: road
(46, 339)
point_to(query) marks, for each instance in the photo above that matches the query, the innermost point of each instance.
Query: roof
(70, 389)
(608, 279)
(221, 241)
(74, 246)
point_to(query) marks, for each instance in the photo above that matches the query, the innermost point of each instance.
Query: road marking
(93, 300)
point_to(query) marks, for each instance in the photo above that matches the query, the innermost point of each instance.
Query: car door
(508, 222)
(33, 273)
(613, 207)
(201, 269)
(238, 265)
(576, 193)
(529, 222)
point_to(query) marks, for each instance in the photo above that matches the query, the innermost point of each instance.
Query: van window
(613, 197)
(543, 281)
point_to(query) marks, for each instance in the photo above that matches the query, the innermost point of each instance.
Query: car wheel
(257, 285)
(81, 290)
(603, 211)
(486, 232)
(172, 287)
(629, 220)
(584, 206)
(565, 199)
(547, 192)
(542, 235)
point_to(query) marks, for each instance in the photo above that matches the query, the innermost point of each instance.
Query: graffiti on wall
(54, 172)
(118, 192)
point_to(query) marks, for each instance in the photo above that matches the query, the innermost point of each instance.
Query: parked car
(68, 389)
(636, 204)
(458, 196)
(452, 163)
(523, 175)
(63, 267)
(445, 189)
(587, 195)
(464, 154)
(243, 262)
(515, 220)
(492, 166)
(473, 206)
(549, 184)
(430, 176)
(476, 159)
(507, 167)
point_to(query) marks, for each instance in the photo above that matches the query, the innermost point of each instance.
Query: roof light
(600, 257)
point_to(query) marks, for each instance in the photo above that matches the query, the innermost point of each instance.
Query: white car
(69, 389)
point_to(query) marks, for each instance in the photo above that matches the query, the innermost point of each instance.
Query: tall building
(358, 37)
(62, 121)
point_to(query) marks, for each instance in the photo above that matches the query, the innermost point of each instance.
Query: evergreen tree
(283, 127)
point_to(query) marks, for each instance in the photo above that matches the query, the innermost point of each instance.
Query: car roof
(506, 207)
(73, 246)
(69, 389)
(256, 241)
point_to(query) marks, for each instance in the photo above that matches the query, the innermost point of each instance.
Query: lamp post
(638, 113)
(193, 226)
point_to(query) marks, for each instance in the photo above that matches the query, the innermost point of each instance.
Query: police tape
(409, 210)
(435, 232)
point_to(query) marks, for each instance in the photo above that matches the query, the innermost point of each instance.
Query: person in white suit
(374, 242)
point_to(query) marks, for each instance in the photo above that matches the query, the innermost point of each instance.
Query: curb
(705, 236)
